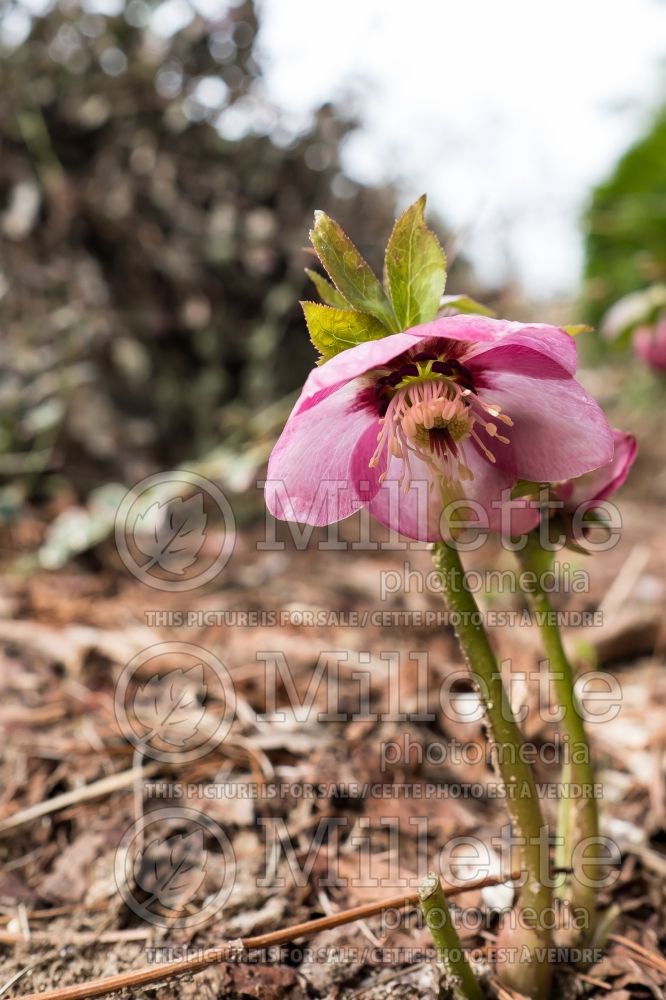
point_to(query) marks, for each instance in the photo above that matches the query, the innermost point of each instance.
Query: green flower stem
(461, 979)
(578, 817)
(529, 977)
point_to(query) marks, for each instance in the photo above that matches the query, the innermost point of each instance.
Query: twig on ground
(57, 911)
(211, 956)
(6, 986)
(600, 984)
(78, 940)
(651, 957)
(95, 790)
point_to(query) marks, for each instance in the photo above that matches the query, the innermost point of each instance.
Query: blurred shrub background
(150, 277)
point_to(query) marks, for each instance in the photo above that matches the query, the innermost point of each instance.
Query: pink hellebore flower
(593, 487)
(457, 409)
(649, 344)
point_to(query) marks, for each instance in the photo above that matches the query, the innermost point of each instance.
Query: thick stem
(461, 979)
(578, 817)
(525, 928)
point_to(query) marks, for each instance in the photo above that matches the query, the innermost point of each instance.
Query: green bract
(328, 293)
(356, 306)
(333, 330)
(577, 328)
(415, 268)
(463, 304)
(350, 274)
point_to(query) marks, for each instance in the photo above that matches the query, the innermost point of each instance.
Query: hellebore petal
(545, 342)
(422, 513)
(456, 409)
(473, 330)
(604, 482)
(348, 365)
(559, 431)
(416, 513)
(649, 344)
(313, 473)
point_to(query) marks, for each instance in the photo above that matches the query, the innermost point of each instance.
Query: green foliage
(328, 293)
(575, 329)
(415, 268)
(464, 304)
(350, 274)
(525, 488)
(357, 307)
(625, 247)
(335, 330)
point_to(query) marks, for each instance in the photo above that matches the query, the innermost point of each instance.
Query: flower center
(429, 408)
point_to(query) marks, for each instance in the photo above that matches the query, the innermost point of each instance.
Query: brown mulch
(65, 640)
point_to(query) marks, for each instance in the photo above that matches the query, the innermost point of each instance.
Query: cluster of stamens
(429, 408)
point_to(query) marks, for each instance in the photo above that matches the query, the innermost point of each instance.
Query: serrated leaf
(328, 293)
(172, 870)
(171, 533)
(168, 705)
(350, 273)
(335, 330)
(464, 304)
(415, 268)
(577, 328)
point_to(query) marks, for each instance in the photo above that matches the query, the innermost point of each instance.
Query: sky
(506, 113)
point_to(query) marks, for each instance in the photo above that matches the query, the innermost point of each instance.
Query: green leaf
(577, 328)
(335, 330)
(526, 488)
(350, 274)
(328, 293)
(415, 268)
(464, 304)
